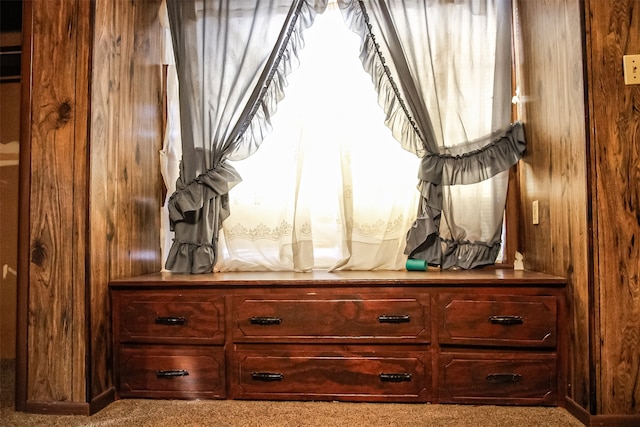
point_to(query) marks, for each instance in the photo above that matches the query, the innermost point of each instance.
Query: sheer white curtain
(343, 192)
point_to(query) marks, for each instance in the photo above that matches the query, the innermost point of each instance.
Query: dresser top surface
(479, 277)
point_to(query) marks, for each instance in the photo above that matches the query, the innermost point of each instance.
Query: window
(324, 193)
(326, 163)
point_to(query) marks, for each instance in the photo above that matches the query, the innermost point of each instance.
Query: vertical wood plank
(126, 138)
(614, 28)
(147, 134)
(55, 355)
(80, 200)
(104, 128)
(554, 167)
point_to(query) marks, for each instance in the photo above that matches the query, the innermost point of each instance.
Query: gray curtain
(232, 59)
(423, 57)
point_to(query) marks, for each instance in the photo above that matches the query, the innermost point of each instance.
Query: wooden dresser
(484, 336)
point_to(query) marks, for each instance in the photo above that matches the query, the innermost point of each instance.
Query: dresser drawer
(180, 372)
(513, 378)
(393, 376)
(169, 317)
(350, 318)
(529, 321)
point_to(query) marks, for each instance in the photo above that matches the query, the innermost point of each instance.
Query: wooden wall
(583, 165)
(126, 137)
(613, 30)
(554, 170)
(90, 189)
(53, 220)
(90, 186)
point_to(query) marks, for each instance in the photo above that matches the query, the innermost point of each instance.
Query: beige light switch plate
(631, 65)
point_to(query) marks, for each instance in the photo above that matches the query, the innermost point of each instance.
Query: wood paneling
(614, 109)
(91, 194)
(56, 284)
(554, 170)
(90, 189)
(126, 137)
(587, 179)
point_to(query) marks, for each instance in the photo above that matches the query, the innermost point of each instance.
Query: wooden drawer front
(498, 379)
(384, 377)
(330, 319)
(179, 372)
(181, 318)
(499, 320)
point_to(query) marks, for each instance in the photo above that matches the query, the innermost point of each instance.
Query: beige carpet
(223, 413)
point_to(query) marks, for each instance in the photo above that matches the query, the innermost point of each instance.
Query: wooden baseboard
(57, 408)
(615, 420)
(577, 411)
(71, 408)
(102, 400)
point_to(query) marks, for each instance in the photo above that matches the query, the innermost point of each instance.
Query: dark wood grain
(90, 189)
(583, 165)
(332, 375)
(490, 278)
(614, 109)
(498, 378)
(310, 318)
(554, 170)
(201, 315)
(498, 320)
(204, 372)
(56, 348)
(126, 137)
(328, 342)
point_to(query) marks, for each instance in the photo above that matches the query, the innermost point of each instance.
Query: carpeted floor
(230, 413)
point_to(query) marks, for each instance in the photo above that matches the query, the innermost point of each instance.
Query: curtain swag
(477, 165)
(233, 62)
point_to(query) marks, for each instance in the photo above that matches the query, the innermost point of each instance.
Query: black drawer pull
(172, 373)
(171, 320)
(504, 378)
(265, 320)
(266, 376)
(395, 378)
(392, 318)
(506, 320)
